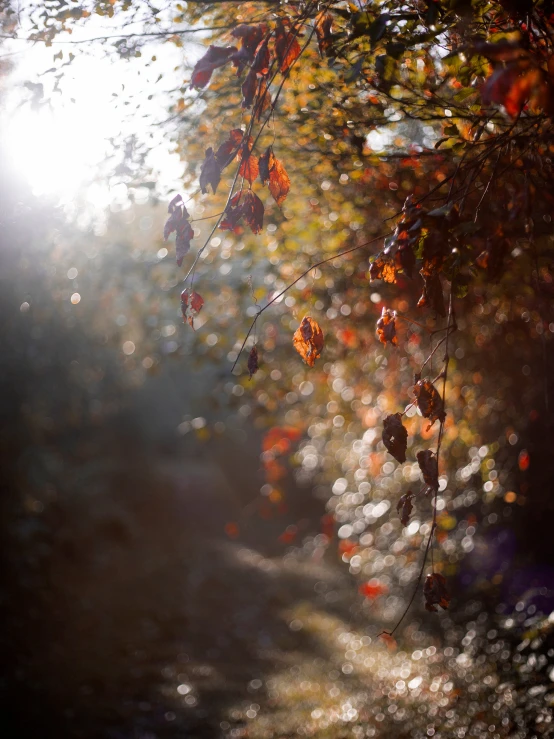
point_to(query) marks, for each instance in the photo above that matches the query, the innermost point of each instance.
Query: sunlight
(58, 142)
(55, 151)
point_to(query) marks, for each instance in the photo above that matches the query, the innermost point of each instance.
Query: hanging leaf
(253, 211)
(308, 340)
(395, 437)
(287, 48)
(515, 85)
(382, 268)
(266, 163)
(279, 182)
(428, 464)
(263, 101)
(233, 213)
(245, 205)
(184, 235)
(435, 592)
(249, 168)
(272, 171)
(210, 174)
(323, 25)
(250, 38)
(262, 60)
(229, 149)
(386, 327)
(253, 365)
(178, 222)
(432, 293)
(429, 401)
(404, 507)
(191, 305)
(249, 87)
(216, 56)
(250, 35)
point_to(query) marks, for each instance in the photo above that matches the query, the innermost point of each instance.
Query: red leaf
(253, 210)
(514, 85)
(373, 589)
(191, 305)
(245, 205)
(233, 213)
(216, 56)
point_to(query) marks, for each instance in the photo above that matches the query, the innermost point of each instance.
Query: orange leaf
(308, 340)
(272, 169)
(249, 168)
(279, 182)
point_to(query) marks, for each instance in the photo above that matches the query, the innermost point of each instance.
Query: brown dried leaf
(253, 365)
(287, 48)
(382, 268)
(429, 401)
(308, 340)
(395, 436)
(191, 305)
(428, 464)
(263, 101)
(404, 507)
(249, 87)
(435, 592)
(386, 327)
(432, 293)
(323, 25)
(262, 60)
(266, 163)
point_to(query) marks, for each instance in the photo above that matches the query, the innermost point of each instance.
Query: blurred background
(186, 551)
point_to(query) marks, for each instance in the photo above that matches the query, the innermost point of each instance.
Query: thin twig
(292, 284)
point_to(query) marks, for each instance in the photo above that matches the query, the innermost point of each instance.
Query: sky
(61, 144)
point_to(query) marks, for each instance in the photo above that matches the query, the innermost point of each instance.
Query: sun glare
(59, 142)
